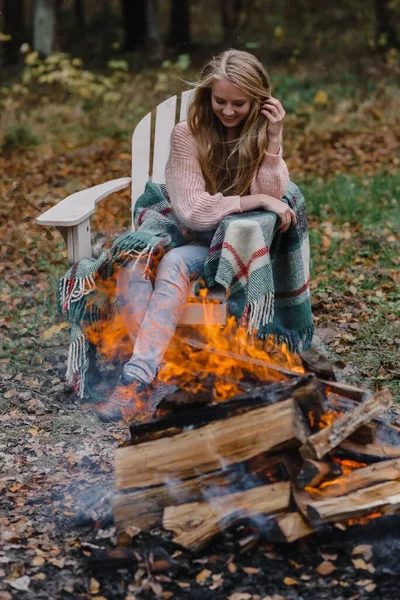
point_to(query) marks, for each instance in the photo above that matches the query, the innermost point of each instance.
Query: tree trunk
(134, 14)
(79, 13)
(153, 36)
(13, 26)
(385, 28)
(44, 26)
(179, 29)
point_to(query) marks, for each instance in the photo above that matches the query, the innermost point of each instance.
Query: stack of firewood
(290, 456)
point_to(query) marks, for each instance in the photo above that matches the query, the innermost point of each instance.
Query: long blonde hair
(224, 170)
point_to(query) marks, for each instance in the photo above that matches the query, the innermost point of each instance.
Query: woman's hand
(284, 212)
(273, 110)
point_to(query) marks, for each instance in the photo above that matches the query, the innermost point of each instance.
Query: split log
(347, 390)
(260, 396)
(144, 508)
(383, 497)
(366, 434)
(388, 470)
(197, 523)
(264, 429)
(313, 472)
(314, 362)
(367, 453)
(288, 527)
(319, 444)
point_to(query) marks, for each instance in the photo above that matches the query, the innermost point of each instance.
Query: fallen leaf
(290, 581)
(359, 563)
(203, 575)
(325, 568)
(53, 330)
(232, 568)
(250, 570)
(239, 596)
(94, 586)
(364, 549)
(370, 587)
(21, 583)
(329, 556)
(38, 561)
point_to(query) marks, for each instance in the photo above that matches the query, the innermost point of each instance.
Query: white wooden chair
(72, 215)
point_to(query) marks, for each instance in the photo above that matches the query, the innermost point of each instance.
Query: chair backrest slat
(141, 143)
(140, 157)
(165, 122)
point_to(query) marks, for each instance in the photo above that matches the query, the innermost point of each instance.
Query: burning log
(149, 503)
(314, 362)
(319, 444)
(196, 523)
(313, 472)
(384, 498)
(388, 470)
(232, 440)
(305, 387)
(367, 453)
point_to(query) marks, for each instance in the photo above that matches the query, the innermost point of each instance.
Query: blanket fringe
(78, 360)
(296, 342)
(261, 312)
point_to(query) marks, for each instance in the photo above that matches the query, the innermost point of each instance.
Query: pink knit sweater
(198, 209)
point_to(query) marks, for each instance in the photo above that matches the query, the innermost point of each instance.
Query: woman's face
(229, 103)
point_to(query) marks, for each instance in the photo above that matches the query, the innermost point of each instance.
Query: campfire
(255, 434)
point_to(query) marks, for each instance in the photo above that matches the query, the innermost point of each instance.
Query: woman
(226, 158)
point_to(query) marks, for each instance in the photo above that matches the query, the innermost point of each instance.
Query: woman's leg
(164, 310)
(134, 293)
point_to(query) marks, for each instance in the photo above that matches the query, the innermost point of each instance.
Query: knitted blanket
(265, 274)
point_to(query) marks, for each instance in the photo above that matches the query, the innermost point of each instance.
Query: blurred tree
(79, 13)
(234, 15)
(385, 26)
(44, 26)
(13, 14)
(179, 25)
(134, 14)
(153, 35)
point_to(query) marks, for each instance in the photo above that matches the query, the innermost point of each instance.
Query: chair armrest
(78, 207)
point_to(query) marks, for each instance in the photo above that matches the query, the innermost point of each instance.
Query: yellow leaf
(325, 568)
(290, 581)
(94, 586)
(203, 575)
(321, 98)
(38, 561)
(53, 330)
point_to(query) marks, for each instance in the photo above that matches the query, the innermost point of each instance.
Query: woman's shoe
(130, 399)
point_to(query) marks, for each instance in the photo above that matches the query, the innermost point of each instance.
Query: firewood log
(383, 497)
(260, 396)
(288, 527)
(197, 523)
(224, 442)
(314, 362)
(367, 453)
(387, 470)
(313, 472)
(144, 508)
(319, 444)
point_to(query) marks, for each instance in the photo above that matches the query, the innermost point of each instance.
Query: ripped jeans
(151, 315)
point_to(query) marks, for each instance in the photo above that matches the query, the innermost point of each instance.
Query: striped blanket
(265, 273)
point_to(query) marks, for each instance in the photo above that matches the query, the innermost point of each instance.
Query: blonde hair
(224, 170)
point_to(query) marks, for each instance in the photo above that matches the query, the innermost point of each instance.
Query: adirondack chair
(72, 215)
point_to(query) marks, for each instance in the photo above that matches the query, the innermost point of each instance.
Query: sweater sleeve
(272, 176)
(186, 187)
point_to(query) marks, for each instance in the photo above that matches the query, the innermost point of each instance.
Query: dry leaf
(370, 587)
(359, 563)
(94, 586)
(250, 570)
(38, 561)
(329, 556)
(203, 575)
(325, 568)
(239, 596)
(364, 549)
(21, 583)
(53, 330)
(290, 581)
(232, 568)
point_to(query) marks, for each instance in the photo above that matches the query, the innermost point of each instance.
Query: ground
(341, 146)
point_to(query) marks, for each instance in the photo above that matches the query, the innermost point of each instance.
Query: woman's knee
(173, 265)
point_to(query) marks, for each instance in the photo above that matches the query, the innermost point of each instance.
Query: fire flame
(203, 356)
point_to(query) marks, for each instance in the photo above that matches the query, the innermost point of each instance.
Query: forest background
(76, 77)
